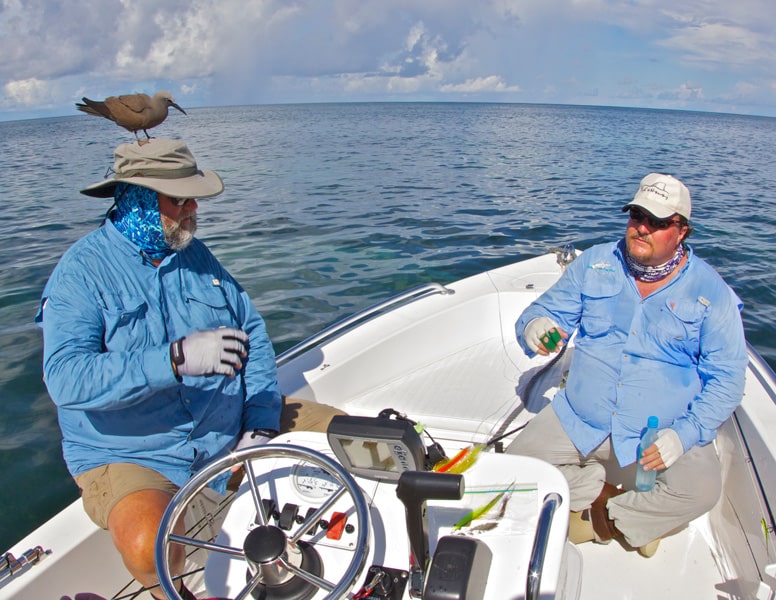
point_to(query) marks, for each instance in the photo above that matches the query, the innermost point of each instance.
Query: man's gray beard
(177, 236)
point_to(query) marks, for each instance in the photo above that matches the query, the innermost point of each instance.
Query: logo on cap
(658, 188)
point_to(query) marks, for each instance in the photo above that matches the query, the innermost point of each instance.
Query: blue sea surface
(329, 208)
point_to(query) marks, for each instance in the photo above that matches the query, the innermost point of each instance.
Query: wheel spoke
(307, 576)
(205, 545)
(310, 523)
(252, 584)
(263, 518)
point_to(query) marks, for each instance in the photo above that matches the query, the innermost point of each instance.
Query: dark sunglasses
(180, 201)
(638, 216)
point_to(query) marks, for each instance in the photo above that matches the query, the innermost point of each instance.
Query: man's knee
(306, 415)
(702, 495)
(133, 524)
(544, 438)
(696, 478)
(102, 488)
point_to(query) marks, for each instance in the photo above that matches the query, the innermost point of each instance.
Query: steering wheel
(271, 554)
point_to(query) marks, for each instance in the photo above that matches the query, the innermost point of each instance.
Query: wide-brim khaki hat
(165, 166)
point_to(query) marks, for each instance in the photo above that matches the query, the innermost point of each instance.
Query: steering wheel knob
(264, 544)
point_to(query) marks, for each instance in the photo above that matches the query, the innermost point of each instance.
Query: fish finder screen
(366, 454)
(376, 447)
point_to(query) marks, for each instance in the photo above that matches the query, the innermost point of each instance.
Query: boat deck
(607, 571)
(488, 375)
(683, 559)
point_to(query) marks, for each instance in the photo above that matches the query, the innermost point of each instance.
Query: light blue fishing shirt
(108, 316)
(679, 354)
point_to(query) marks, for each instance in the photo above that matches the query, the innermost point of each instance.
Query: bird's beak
(178, 107)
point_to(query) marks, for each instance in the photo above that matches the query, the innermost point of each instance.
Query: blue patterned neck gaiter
(137, 218)
(651, 274)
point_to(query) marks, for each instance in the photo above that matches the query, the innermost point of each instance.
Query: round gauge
(313, 482)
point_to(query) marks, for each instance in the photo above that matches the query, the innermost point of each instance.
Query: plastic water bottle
(645, 480)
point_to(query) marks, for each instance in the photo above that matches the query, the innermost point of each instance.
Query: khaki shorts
(306, 415)
(103, 487)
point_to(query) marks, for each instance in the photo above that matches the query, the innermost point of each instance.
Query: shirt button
(633, 332)
(187, 401)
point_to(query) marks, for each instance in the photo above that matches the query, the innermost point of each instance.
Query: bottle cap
(652, 422)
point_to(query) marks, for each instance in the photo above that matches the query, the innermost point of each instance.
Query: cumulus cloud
(492, 83)
(681, 96)
(747, 89)
(27, 92)
(690, 91)
(712, 45)
(246, 51)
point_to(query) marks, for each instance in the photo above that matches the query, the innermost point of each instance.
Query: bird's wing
(138, 103)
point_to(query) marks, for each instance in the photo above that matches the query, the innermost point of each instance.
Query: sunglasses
(180, 201)
(638, 216)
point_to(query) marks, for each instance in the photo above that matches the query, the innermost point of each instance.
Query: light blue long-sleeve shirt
(108, 317)
(679, 354)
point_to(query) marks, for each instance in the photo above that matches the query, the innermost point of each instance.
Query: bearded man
(154, 355)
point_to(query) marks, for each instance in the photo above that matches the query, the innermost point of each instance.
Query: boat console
(358, 514)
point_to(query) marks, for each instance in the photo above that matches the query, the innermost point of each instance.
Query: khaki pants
(103, 487)
(682, 493)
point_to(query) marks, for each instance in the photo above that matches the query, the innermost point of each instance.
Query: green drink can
(551, 339)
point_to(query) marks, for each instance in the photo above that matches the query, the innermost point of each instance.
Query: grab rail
(536, 564)
(762, 370)
(10, 565)
(339, 327)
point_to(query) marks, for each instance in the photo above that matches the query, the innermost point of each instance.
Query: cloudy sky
(709, 55)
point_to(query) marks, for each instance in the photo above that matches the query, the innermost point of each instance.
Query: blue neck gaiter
(137, 218)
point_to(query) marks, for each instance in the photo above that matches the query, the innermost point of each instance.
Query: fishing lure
(478, 512)
(461, 461)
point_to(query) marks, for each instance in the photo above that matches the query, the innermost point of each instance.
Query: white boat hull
(451, 362)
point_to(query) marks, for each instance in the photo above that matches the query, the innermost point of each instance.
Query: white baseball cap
(662, 196)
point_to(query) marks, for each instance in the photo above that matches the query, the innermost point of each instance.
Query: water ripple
(330, 208)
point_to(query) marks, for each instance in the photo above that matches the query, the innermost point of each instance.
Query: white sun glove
(535, 329)
(249, 439)
(214, 351)
(669, 445)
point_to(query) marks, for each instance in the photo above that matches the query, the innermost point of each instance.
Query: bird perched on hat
(134, 112)
(164, 166)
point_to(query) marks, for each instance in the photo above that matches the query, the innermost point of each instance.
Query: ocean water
(329, 208)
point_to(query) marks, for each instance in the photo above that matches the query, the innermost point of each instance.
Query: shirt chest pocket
(679, 324)
(126, 323)
(599, 305)
(208, 308)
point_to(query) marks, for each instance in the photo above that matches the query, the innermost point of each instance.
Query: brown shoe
(186, 593)
(599, 515)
